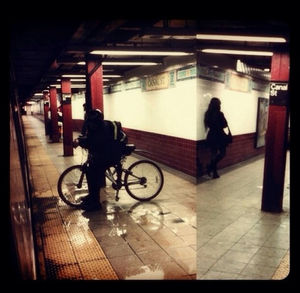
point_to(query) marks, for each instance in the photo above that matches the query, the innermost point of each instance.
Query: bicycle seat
(129, 148)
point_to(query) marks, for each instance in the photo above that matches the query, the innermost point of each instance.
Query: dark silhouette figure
(98, 140)
(216, 138)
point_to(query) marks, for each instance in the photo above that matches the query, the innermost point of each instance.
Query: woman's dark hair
(213, 107)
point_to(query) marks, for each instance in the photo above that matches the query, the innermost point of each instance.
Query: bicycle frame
(119, 176)
(118, 183)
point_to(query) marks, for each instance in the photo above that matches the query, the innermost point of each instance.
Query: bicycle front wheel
(72, 185)
(143, 180)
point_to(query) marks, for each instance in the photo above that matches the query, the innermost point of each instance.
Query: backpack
(120, 140)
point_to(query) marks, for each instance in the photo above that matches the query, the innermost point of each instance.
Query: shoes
(90, 204)
(83, 198)
(95, 206)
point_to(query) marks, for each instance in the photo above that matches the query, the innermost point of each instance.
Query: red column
(276, 136)
(46, 110)
(94, 83)
(54, 118)
(67, 117)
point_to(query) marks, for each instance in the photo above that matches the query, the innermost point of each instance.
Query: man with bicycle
(98, 140)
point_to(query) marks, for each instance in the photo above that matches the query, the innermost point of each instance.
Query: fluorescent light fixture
(240, 38)
(73, 75)
(139, 53)
(77, 79)
(133, 63)
(238, 52)
(129, 63)
(78, 86)
(112, 75)
(72, 85)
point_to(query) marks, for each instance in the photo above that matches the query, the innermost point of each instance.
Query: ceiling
(41, 51)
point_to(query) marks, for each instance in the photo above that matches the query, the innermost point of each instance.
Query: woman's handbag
(228, 136)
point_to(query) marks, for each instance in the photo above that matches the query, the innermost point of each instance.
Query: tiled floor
(152, 240)
(235, 239)
(158, 240)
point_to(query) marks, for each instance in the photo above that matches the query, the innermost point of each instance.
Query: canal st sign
(279, 93)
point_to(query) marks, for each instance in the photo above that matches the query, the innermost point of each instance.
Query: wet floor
(140, 240)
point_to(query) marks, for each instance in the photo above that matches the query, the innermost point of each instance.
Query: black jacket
(216, 135)
(99, 140)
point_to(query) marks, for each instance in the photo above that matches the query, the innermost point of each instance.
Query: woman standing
(215, 120)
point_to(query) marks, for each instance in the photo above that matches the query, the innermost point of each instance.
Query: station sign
(157, 82)
(66, 98)
(279, 93)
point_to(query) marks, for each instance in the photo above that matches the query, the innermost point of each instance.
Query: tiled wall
(242, 148)
(174, 152)
(187, 155)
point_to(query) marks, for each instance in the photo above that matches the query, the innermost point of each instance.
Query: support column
(276, 136)
(94, 83)
(54, 116)
(46, 110)
(67, 116)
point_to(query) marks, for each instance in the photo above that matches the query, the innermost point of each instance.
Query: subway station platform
(212, 230)
(126, 240)
(236, 240)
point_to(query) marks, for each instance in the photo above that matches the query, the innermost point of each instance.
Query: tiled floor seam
(173, 259)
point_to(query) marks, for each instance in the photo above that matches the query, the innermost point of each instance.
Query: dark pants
(217, 154)
(96, 178)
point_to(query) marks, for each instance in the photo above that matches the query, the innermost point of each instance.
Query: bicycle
(143, 180)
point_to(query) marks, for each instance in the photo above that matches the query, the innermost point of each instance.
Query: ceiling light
(238, 52)
(129, 63)
(123, 63)
(241, 38)
(73, 75)
(72, 85)
(112, 75)
(77, 79)
(140, 53)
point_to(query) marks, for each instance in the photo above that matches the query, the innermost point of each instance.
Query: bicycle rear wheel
(143, 180)
(72, 185)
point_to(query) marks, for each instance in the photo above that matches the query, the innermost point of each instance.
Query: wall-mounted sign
(185, 73)
(211, 73)
(116, 88)
(157, 82)
(133, 84)
(172, 78)
(279, 93)
(262, 121)
(236, 82)
(66, 98)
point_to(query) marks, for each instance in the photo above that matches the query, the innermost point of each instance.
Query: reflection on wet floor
(137, 235)
(125, 240)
